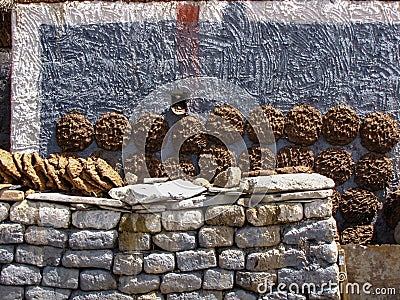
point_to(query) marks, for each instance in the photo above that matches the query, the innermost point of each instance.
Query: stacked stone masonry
(52, 251)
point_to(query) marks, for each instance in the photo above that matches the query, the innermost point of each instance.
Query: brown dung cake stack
(379, 132)
(335, 198)
(373, 171)
(340, 125)
(391, 209)
(182, 169)
(214, 160)
(257, 158)
(110, 130)
(335, 163)
(303, 125)
(226, 124)
(188, 136)
(74, 132)
(265, 125)
(144, 165)
(294, 156)
(149, 131)
(360, 235)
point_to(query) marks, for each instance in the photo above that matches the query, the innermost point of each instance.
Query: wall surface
(5, 109)
(54, 251)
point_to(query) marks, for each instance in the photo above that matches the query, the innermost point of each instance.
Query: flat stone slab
(286, 183)
(157, 192)
(57, 197)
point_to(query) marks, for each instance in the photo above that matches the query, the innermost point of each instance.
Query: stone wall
(54, 251)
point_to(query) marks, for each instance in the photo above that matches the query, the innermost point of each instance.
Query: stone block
(11, 292)
(128, 264)
(251, 237)
(196, 259)
(175, 241)
(216, 236)
(54, 215)
(232, 259)
(240, 295)
(134, 241)
(97, 280)
(46, 236)
(256, 281)
(322, 230)
(38, 255)
(11, 233)
(139, 284)
(150, 223)
(39, 293)
(158, 263)
(88, 259)
(90, 239)
(17, 274)
(25, 212)
(319, 208)
(267, 260)
(180, 282)
(272, 214)
(60, 277)
(151, 296)
(100, 295)
(6, 254)
(228, 178)
(197, 295)
(4, 211)
(218, 279)
(225, 215)
(96, 219)
(325, 252)
(182, 220)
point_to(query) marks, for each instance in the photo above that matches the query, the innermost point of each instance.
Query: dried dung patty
(293, 156)
(90, 174)
(182, 169)
(358, 206)
(151, 128)
(335, 198)
(225, 123)
(303, 125)
(391, 209)
(358, 235)
(340, 125)
(107, 173)
(188, 136)
(57, 172)
(373, 171)
(257, 158)
(144, 165)
(214, 160)
(336, 164)
(265, 125)
(7, 165)
(110, 130)
(294, 170)
(379, 132)
(74, 132)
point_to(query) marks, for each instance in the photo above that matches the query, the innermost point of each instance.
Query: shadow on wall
(5, 109)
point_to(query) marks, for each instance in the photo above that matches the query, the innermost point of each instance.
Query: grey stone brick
(256, 281)
(225, 215)
(182, 220)
(97, 280)
(54, 215)
(17, 274)
(216, 236)
(240, 295)
(266, 260)
(60, 277)
(46, 236)
(251, 237)
(101, 295)
(196, 259)
(40, 293)
(25, 212)
(90, 239)
(175, 241)
(4, 211)
(6, 254)
(218, 279)
(139, 284)
(11, 292)
(128, 264)
(319, 208)
(158, 263)
(88, 259)
(150, 223)
(134, 241)
(11, 233)
(38, 255)
(180, 282)
(272, 214)
(96, 219)
(232, 259)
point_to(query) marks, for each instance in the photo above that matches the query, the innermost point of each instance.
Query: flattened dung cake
(182, 169)
(110, 130)
(391, 209)
(265, 125)
(9, 170)
(303, 125)
(293, 156)
(335, 198)
(225, 123)
(373, 171)
(214, 160)
(358, 235)
(151, 128)
(379, 132)
(294, 170)
(188, 136)
(74, 132)
(340, 125)
(39, 181)
(257, 158)
(358, 206)
(335, 163)
(144, 165)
